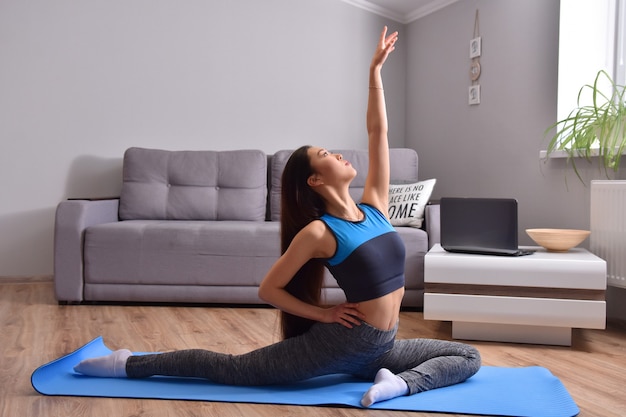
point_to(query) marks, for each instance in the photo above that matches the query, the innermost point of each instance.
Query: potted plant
(599, 130)
(595, 130)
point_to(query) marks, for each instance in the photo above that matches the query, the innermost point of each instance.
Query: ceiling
(403, 11)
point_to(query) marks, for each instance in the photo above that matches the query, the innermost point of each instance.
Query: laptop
(486, 226)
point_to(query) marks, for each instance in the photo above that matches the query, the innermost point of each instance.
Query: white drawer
(515, 310)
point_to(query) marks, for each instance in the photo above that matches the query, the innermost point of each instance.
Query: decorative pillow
(408, 201)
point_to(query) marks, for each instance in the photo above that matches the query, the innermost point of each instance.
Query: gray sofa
(200, 227)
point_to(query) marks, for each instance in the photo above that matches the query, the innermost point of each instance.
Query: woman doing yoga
(321, 226)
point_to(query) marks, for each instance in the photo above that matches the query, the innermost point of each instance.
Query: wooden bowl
(558, 240)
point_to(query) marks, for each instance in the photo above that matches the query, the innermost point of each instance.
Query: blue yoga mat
(529, 391)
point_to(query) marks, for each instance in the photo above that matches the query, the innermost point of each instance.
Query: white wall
(81, 81)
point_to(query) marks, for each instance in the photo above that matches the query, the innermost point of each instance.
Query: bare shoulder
(315, 230)
(317, 238)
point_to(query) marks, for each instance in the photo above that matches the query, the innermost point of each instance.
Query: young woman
(321, 226)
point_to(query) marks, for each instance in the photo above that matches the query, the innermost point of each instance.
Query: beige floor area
(36, 330)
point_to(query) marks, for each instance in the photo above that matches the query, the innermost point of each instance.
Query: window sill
(555, 154)
(564, 154)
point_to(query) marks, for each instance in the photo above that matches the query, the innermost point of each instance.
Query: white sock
(112, 365)
(386, 386)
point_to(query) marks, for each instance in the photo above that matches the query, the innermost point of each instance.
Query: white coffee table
(537, 298)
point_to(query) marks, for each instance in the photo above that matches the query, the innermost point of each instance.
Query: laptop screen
(479, 223)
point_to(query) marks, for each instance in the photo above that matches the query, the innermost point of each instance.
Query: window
(591, 38)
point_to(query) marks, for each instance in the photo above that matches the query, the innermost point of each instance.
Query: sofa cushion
(193, 185)
(277, 166)
(188, 253)
(153, 252)
(403, 168)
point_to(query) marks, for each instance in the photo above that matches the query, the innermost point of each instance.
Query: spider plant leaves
(597, 129)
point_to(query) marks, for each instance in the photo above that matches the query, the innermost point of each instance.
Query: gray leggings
(325, 349)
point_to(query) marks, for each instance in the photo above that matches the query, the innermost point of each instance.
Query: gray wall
(81, 81)
(492, 150)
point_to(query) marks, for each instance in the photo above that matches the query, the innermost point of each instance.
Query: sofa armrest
(433, 228)
(72, 218)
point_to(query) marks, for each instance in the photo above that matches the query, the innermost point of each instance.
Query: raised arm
(377, 182)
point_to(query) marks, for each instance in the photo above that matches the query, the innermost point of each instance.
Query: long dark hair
(299, 206)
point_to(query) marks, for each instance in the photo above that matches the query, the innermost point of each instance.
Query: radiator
(608, 228)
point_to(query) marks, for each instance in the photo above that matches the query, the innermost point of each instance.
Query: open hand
(385, 46)
(346, 314)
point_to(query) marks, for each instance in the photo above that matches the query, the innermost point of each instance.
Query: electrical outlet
(474, 94)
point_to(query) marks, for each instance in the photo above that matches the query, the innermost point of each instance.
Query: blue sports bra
(369, 260)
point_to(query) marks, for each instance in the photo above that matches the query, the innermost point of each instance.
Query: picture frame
(475, 47)
(474, 94)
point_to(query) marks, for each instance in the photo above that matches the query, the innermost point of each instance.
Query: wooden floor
(36, 330)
